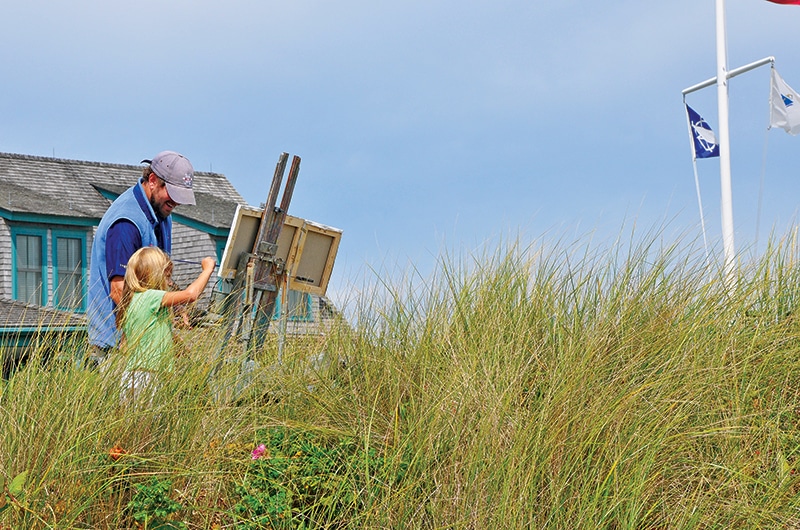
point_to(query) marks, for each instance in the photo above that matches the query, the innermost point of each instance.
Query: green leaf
(15, 488)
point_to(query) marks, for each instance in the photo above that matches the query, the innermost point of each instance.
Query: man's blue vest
(102, 329)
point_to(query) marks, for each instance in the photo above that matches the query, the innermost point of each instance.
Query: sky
(422, 125)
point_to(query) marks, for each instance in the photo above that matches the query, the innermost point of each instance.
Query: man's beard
(157, 209)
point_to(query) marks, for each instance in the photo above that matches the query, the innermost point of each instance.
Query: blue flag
(705, 142)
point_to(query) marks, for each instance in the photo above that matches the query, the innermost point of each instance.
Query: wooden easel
(259, 275)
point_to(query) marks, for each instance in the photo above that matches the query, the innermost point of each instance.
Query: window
(29, 267)
(298, 308)
(68, 270)
(38, 260)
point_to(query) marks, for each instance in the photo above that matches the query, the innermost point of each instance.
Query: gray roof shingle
(15, 315)
(54, 186)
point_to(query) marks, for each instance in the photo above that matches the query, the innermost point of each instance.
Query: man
(138, 218)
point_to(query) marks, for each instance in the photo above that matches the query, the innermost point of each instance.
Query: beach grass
(524, 386)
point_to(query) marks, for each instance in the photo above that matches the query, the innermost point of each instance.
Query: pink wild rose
(259, 451)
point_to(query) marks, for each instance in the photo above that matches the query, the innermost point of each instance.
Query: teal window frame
(220, 248)
(55, 235)
(35, 232)
(307, 317)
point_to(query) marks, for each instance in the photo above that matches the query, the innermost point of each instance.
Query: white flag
(784, 105)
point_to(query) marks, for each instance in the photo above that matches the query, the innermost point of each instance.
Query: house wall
(33, 190)
(193, 245)
(188, 244)
(313, 326)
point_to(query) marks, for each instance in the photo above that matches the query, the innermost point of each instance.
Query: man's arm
(116, 288)
(122, 241)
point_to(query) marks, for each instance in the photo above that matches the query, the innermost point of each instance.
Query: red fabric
(786, 2)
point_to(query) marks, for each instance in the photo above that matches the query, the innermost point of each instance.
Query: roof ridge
(40, 158)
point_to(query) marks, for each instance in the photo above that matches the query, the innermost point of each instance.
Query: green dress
(148, 332)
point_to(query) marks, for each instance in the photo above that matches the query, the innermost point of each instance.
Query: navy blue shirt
(124, 239)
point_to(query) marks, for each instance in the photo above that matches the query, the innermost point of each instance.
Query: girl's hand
(195, 289)
(208, 264)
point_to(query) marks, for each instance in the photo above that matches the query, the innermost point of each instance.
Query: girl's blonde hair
(148, 268)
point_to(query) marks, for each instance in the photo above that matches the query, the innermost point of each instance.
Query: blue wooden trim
(220, 248)
(25, 217)
(43, 329)
(22, 337)
(56, 234)
(28, 231)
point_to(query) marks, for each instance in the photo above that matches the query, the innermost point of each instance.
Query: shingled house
(49, 209)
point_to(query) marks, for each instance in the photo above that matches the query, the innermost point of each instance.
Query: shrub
(303, 479)
(152, 506)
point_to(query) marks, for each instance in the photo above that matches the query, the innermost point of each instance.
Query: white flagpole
(724, 148)
(700, 205)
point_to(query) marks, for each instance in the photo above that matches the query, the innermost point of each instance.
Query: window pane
(35, 251)
(68, 250)
(69, 272)
(29, 268)
(297, 304)
(22, 252)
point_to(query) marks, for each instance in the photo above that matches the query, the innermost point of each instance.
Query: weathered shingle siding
(318, 324)
(303, 327)
(193, 245)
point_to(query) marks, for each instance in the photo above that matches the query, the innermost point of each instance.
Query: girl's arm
(193, 292)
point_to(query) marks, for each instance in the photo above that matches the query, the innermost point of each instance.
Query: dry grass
(522, 388)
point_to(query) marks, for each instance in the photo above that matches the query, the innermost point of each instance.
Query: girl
(144, 315)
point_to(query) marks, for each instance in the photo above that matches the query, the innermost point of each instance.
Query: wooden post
(260, 272)
(269, 269)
